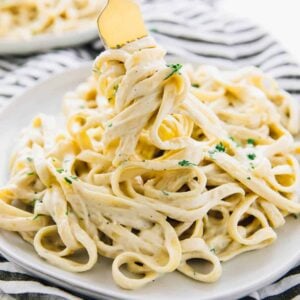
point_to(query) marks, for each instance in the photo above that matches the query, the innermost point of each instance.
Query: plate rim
(61, 282)
(47, 41)
(68, 284)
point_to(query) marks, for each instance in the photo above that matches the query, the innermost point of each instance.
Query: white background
(280, 17)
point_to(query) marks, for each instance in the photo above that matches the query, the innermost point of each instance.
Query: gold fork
(121, 22)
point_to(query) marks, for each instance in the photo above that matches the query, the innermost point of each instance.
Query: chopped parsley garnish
(195, 85)
(109, 125)
(30, 173)
(185, 163)
(74, 177)
(37, 216)
(251, 156)
(252, 165)
(60, 170)
(296, 216)
(235, 141)
(249, 178)
(220, 147)
(175, 69)
(32, 203)
(153, 30)
(213, 250)
(81, 106)
(67, 211)
(116, 87)
(98, 72)
(29, 159)
(69, 181)
(118, 46)
(251, 142)
(165, 193)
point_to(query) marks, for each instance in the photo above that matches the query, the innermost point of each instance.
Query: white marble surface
(280, 17)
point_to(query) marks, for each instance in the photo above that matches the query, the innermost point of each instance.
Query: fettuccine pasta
(157, 167)
(27, 18)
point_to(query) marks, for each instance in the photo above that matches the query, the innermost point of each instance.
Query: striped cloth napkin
(203, 35)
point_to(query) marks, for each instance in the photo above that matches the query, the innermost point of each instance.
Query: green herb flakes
(235, 141)
(175, 69)
(220, 147)
(251, 156)
(165, 193)
(60, 170)
(116, 87)
(109, 125)
(30, 173)
(37, 216)
(98, 72)
(195, 85)
(32, 203)
(67, 180)
(185, 163)
(29, 159)
(251, 142)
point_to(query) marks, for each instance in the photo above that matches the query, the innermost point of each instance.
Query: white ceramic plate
(242, 275)
(48, 41)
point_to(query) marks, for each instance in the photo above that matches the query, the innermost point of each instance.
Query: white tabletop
(279, 17)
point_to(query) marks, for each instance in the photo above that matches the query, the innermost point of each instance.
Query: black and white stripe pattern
(15, 283)
(192, 29)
